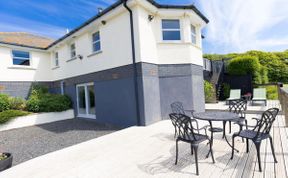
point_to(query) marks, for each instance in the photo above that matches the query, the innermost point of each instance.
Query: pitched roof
(25, 39)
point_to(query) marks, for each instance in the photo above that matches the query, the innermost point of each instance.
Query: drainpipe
(135, 71)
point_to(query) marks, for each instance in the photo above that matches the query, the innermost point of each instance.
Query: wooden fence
(283, 98)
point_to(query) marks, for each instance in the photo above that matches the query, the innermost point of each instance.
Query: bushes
(41, 101)
(209, 91)
(10, 114)
(226, 90)
(244, 65)
(17, 103)
(4, 102)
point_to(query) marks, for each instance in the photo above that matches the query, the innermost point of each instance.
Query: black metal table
(222, 116)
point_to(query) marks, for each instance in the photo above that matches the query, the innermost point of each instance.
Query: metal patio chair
(259, 132)
(238, 107)
(186, 134)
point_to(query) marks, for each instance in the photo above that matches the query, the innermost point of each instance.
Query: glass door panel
(81, 100)
(91, 100)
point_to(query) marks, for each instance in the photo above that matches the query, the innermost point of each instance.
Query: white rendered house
(117, 69)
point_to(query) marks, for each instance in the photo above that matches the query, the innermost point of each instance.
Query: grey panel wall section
(18, 89)
(177, 83)
(198, 96)
(115, 102)
(149, 92)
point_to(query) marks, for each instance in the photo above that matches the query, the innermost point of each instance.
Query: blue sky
(235, 25)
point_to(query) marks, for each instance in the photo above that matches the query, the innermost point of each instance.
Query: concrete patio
(150, 152)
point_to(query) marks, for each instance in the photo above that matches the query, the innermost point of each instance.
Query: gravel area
(30, 142)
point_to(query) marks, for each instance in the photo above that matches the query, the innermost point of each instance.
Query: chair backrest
(183, 126)
(259, 93)
(177, 107)
(265, 123)
(235, 93)
(238, 107)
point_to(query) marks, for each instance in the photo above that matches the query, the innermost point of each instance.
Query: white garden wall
(37, 119)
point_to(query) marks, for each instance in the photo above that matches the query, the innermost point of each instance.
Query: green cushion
(235, 94)
(259, 93)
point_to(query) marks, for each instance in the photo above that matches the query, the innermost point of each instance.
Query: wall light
(80, 56)
(150, 17)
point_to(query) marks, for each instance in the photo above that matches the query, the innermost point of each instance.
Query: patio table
(222, 116)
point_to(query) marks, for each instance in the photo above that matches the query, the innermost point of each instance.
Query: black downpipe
(135, 71)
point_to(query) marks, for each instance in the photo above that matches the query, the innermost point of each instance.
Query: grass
(6, 116)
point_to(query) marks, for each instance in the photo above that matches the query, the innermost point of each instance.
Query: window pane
(193, 29)
(170, 24)
(56, 62)
(171, 35)
(73, 54)
(72, 47)
(21, 62)
(193, 39)
(20, 54)
(96, 36)
(97, 46)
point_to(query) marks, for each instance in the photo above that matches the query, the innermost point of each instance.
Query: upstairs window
(193, 34)
(96, 42)
(56, 59)
(171, 30)
(21, 58)
(72, 50)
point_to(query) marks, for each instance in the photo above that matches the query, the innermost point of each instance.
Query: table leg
(224, 129)
(211, 126)
(225, 137)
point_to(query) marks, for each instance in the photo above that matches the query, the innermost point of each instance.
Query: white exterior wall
(154, 50)
(115, 45)
(37, 71)
(115, 50)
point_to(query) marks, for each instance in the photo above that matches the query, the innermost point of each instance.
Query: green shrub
(244, 65)
(209, 91)
(271, 92)
(48, 103)
(4, 102)
(10, 114)
(17, 103)
(226, 90)
(42, 101)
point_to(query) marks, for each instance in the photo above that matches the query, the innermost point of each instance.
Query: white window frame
(73, 51)
(21, 58)
(193, 35)
(56, 59)
(171, 29)
(97, 41)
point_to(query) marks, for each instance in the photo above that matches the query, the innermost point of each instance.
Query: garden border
(37, 119)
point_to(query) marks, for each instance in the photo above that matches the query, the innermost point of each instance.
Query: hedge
(209, 91)
(41, 101)
(5, 116)
(4, 102)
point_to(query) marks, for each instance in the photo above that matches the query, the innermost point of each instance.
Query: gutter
(135, 71)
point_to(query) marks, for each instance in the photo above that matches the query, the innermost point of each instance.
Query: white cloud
(237, 25)
(18, 24)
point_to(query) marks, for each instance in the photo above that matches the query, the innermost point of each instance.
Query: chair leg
(233, 140)
(224, 129)
(258, 154)
(211, 151)
(230, 127)
(240, 129)
(272, 148)
(247, 145)
(196, 159)
(176, 152)
(191, 149)
(246, 123)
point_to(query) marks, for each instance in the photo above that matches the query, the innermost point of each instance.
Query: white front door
(86, 100)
